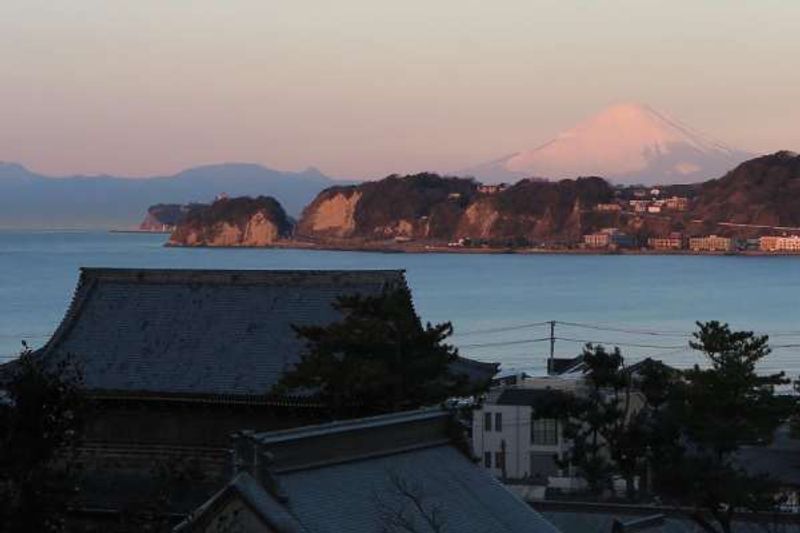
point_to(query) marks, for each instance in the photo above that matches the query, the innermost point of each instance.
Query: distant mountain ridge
(625, 143)
(32, 200)
(764, 191)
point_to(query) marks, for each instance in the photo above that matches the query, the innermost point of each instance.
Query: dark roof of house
(374, 474)
(220, 332)
(525, 396)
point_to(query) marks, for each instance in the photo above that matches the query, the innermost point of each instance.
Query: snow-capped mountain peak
(626, 143)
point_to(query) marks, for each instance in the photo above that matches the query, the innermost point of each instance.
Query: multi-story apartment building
(673, 241)
(711, 243)
(597, 240)
(608, 238)
(772, 243)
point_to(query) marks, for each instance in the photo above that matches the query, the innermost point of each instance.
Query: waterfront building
(673, 241)
(609, 238)
(711, 243)
(597, 240)
(772, 243)
(405, 471)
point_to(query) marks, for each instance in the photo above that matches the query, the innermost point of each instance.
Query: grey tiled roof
(391, 472)
(524, 396)
(207, 332)
(366, 495)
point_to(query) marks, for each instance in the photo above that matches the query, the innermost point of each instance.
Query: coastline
(440, 248)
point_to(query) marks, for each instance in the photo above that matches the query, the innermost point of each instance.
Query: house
(518, 440)
(405, 471)
(514, 442)
(492, 189)
(176, 360)
(677, 203)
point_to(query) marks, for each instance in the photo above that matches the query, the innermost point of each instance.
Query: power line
(623, 330)
(630, 344)
(501, 329)
(503, 343)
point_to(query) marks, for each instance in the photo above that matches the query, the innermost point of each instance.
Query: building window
(487, 459)
(498, 421)
(487, 422)
(544, 431)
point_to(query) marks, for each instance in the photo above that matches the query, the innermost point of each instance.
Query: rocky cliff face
(234, 222)
(164, 217)
(431, 207)
(422, 206)
(536, 210)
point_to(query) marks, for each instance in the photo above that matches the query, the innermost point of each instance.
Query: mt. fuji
(626, 143)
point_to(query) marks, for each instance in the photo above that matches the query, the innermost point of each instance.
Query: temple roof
(220, 333)
(217, 332)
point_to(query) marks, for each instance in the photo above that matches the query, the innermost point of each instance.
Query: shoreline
(434, 248)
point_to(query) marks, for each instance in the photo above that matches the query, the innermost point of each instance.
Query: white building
(520, 447)
(513, 442)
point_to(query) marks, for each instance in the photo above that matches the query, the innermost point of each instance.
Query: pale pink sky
(364, 88)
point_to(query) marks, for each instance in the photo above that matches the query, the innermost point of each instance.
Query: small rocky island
(240, 221)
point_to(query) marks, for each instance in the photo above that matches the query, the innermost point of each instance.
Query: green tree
(605, 425)
(40, 421)
(378, 358)
(717, 410)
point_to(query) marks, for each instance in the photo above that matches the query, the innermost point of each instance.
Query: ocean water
(497, 303)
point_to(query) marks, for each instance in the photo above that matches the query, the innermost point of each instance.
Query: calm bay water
(647, 304)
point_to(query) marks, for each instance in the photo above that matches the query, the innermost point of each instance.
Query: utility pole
(552, 346)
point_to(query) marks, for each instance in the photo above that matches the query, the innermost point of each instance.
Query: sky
(365, 88)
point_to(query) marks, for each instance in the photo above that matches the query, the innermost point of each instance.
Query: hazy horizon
(362, 90)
